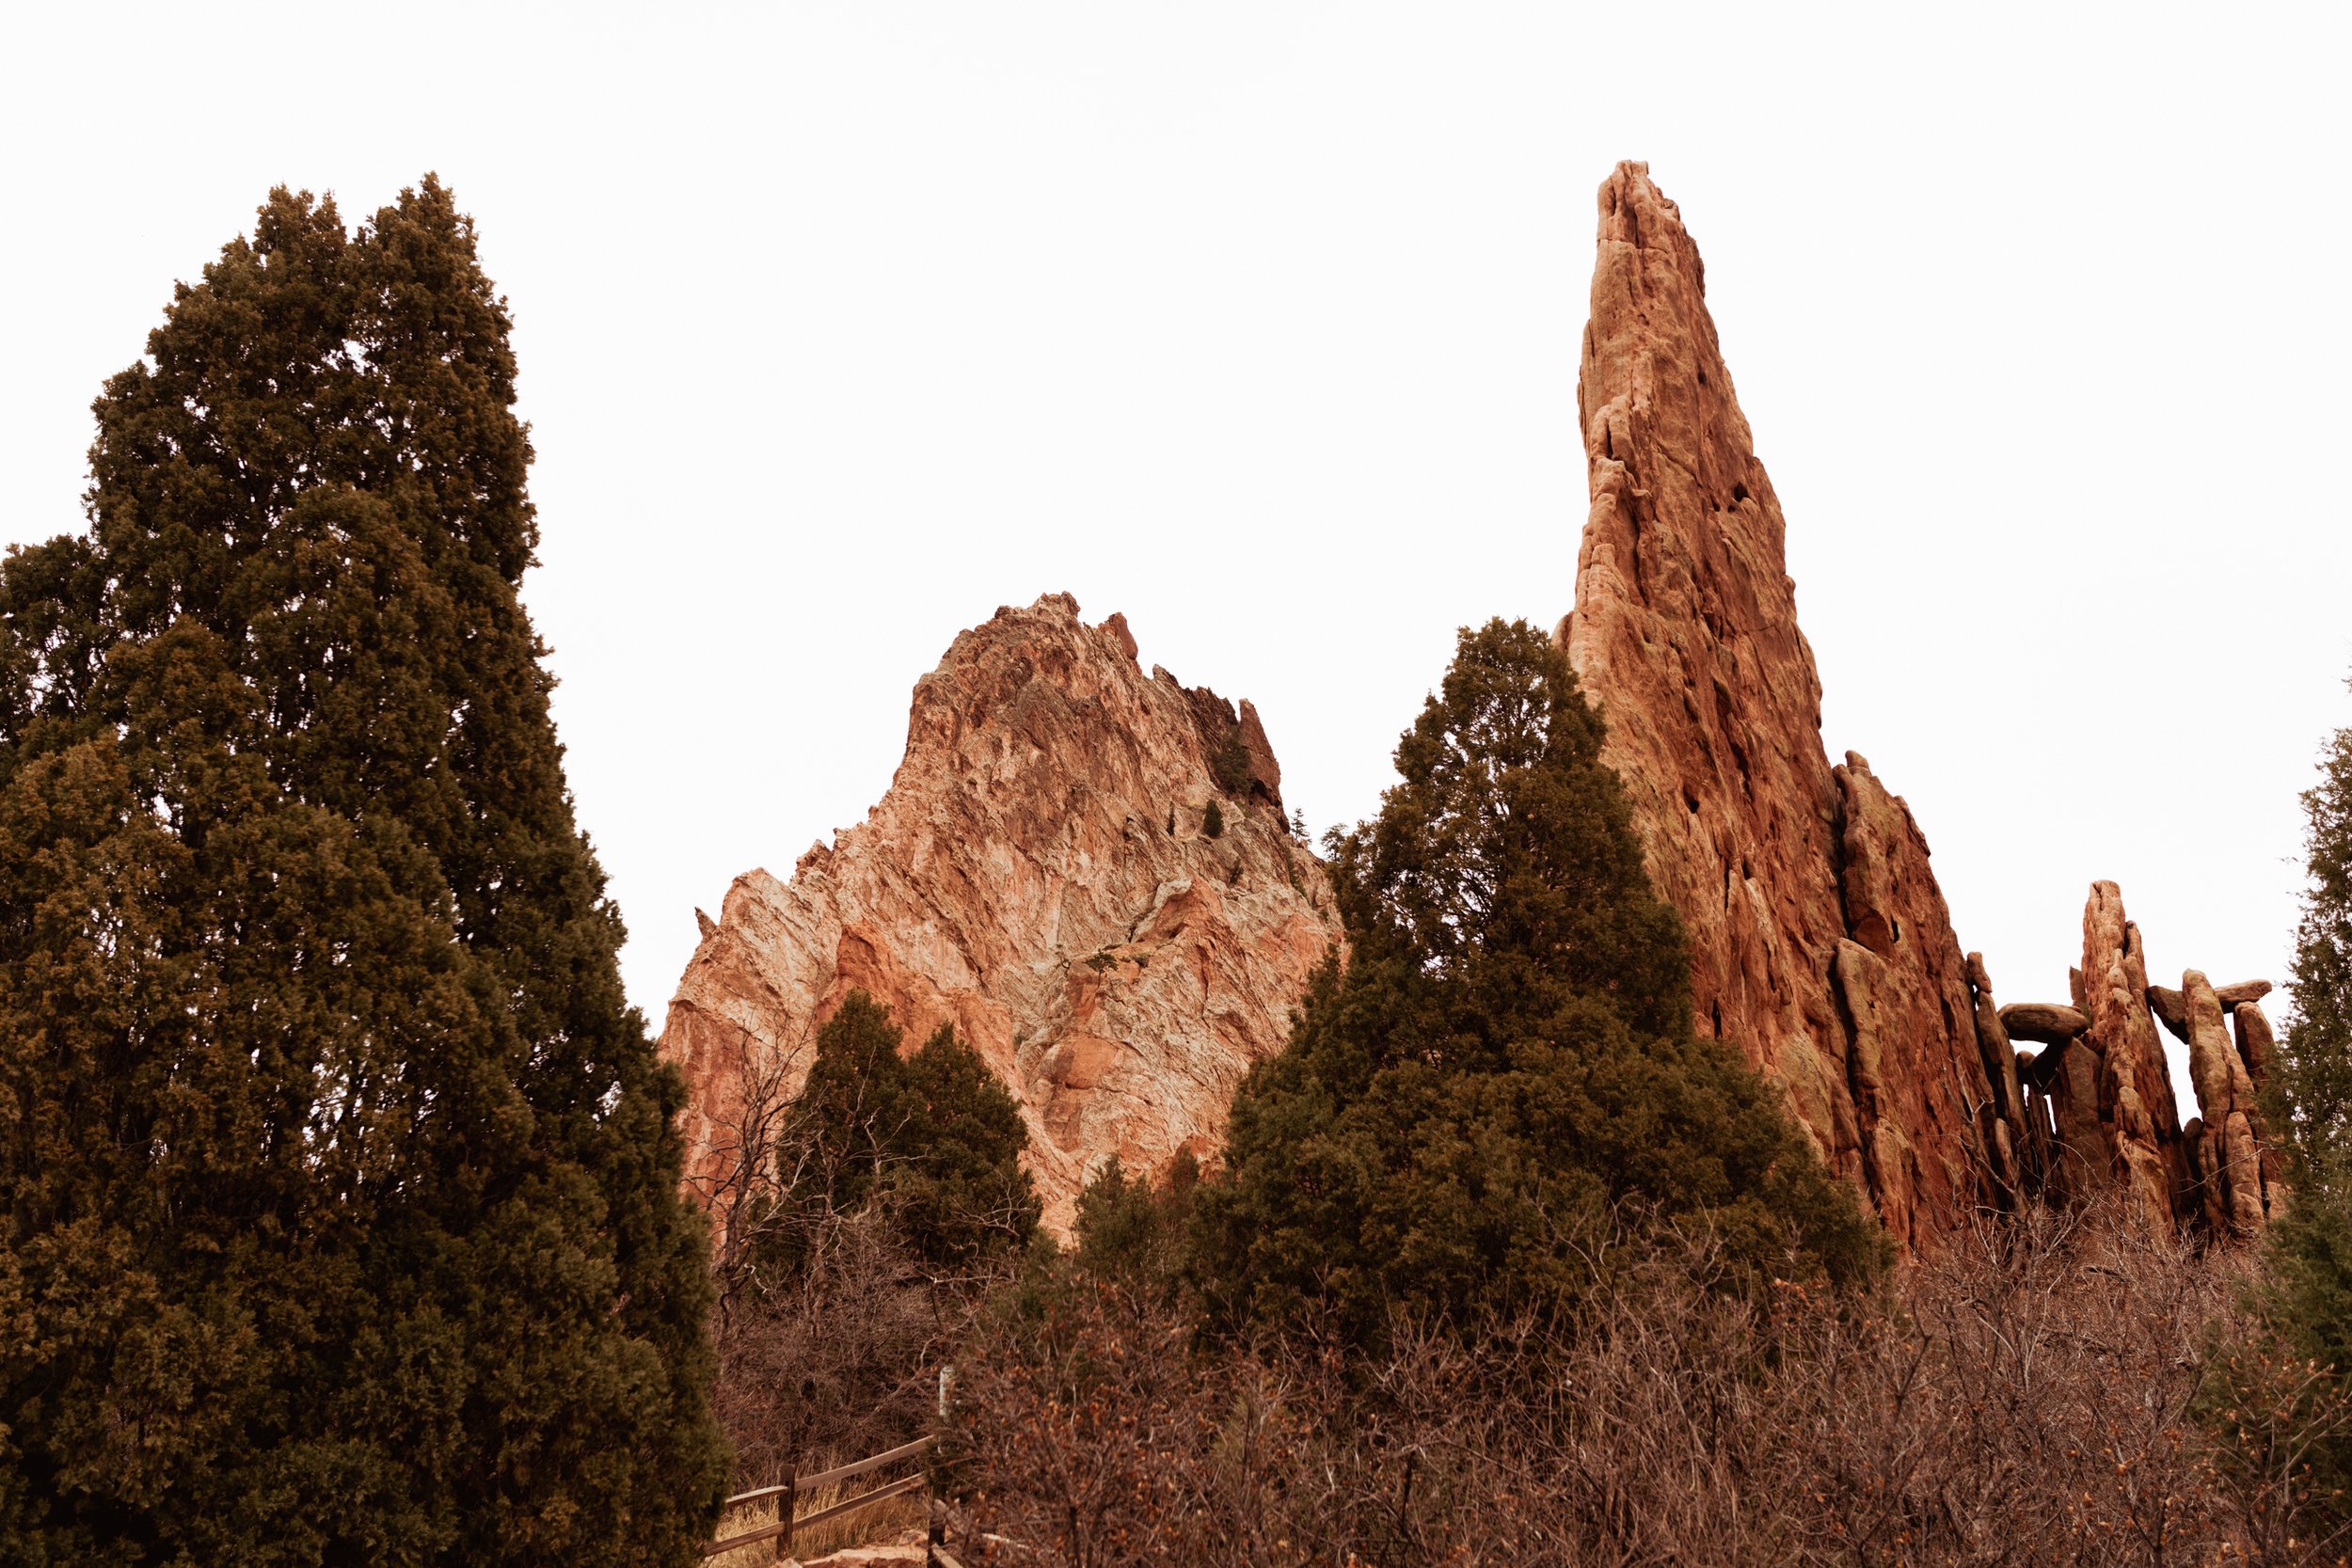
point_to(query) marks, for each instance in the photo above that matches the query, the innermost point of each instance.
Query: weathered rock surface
(2172, 1011)
(2043, 1022)
(2224, 1144)
(1821, 943)
(1038, 875)
(2255, 1042)
(2020, 1145)
(2111, 1091)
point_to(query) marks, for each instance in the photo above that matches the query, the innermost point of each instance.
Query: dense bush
(1132, 1233)
(1506, 1067)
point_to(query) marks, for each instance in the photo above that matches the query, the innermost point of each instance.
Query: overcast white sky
(842, 324)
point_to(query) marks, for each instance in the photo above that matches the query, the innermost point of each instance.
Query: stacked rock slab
(2224, 1157)
(1821, 943)
(2101, 1092)
(2236, 1175)
(1041, 875)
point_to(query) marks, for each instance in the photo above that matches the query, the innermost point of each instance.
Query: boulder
(2167, 1004)
(2043, 1022)
(2256, 1046)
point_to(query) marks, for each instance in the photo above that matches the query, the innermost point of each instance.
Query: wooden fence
(789, 1493)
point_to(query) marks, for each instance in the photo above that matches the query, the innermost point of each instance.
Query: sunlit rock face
(1043, 875)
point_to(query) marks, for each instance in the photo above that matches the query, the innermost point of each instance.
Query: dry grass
(886, 1521)
(2031, 1397)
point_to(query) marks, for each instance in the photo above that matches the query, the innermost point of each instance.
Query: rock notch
(1821, 943)
(1043, 875)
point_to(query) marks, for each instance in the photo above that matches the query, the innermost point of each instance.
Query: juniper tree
(933, 1135)
(337, 1180)
(2315, 1080)
(2305, 1293)
(1505, 1074)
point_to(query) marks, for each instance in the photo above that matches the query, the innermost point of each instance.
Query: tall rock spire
(1821, 943)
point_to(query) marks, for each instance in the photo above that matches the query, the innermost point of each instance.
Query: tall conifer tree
(1504, 1074)
(337, 1181)
(2305, 1293)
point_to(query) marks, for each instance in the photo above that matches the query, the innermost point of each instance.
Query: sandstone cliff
(1821, 943)
(1048, 871)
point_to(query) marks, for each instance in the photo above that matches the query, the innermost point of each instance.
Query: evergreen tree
(338, 1184)
(1129, 1232)
(2305, 1293)
(1504, 1074)
(933, 1135)
(2314, 1088)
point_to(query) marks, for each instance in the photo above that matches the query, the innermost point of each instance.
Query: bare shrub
(2031, 1397)
(833, 1361)
(831, 1328)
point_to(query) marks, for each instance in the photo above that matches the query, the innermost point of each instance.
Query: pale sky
(842, 324)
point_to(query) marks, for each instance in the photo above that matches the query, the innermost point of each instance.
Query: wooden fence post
(787, 1504)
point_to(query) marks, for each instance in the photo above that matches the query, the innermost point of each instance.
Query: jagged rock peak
(1047, 874)
(1820, 942)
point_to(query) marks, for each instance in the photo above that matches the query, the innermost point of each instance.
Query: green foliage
(2291, 1389)
(1131, 1233)
(1504, 1076)
(1230, 765)
(1213, 821)
(339, 1207)
(2314, 1089)
(933, 1135)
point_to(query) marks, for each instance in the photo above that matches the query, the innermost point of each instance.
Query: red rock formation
(2259, 1048)
(1038, 875)
(2019, 1151)
(1821, 943)
(2224, 1144)
(2111, 1091)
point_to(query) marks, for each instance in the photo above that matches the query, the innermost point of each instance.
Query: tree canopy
(338, 1186)
(2305, 1294)
(1504, 1075)
(933, 1135)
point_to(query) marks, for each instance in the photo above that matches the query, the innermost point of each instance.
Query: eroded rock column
(1821, 943)
(2129, 1092)
(2224, 1142)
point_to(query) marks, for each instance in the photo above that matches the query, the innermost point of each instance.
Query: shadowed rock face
(1821, 943)
(1038, 875)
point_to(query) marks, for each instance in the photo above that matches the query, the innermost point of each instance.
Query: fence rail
(788, 1492)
